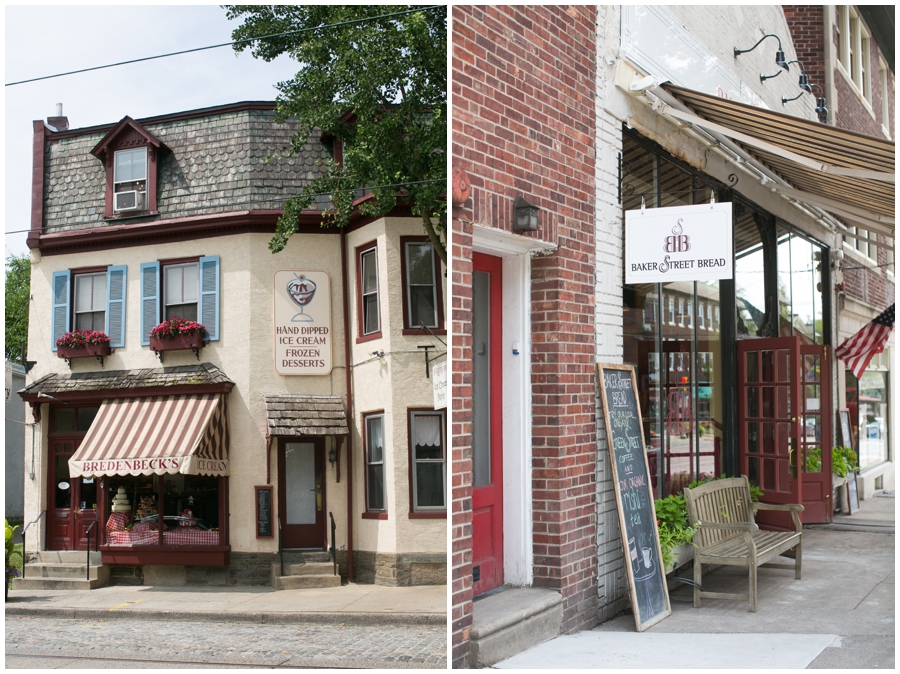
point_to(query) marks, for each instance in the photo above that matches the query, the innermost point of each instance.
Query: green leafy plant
(755, 492)
(674, 529)
(76, 339)
(843, 461)
(12, 571)
(814, 460)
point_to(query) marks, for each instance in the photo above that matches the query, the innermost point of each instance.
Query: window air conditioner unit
(129, 201)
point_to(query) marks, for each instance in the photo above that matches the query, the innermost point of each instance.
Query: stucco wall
(15, 445)
(245, 354)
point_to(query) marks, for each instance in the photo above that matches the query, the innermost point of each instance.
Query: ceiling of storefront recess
(775, 139)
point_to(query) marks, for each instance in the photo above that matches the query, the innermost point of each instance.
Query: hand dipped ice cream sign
(681, 243)
(302, 322)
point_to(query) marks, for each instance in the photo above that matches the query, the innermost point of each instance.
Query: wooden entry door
(768, 421)
(73, 501)
(301, 489)
(487, 424)
(815, 433)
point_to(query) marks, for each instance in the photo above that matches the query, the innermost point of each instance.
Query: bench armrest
(793, 508)
(734, 526)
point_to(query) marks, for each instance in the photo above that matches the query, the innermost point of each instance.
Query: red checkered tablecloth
(140, 537)
(117, 521)
(190, 536)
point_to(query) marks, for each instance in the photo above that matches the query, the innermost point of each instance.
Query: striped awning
(185, 434)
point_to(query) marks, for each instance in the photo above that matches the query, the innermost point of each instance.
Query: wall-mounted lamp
(779, 55)
(526, 215)
(821, 110)
(332, 456)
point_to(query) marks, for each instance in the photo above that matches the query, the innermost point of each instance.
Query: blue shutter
(115, 305)
(150, 300)
(59, 321)
(209, 295)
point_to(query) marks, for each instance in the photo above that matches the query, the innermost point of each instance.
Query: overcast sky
(45, 40)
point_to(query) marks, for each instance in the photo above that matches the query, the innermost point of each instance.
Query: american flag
(859, 349)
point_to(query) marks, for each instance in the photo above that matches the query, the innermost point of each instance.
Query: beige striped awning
(185, 434)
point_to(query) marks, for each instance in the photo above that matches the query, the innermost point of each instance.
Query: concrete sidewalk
(350, 604)
(840, 615)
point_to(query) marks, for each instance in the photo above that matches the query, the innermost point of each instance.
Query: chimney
(59, 122)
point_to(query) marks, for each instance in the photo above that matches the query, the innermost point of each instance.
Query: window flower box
(178, 334)
(83, 344)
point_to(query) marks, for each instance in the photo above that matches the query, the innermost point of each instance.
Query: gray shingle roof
(294, 414)
(182, 375)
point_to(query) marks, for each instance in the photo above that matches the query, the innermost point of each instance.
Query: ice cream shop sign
(302, 322)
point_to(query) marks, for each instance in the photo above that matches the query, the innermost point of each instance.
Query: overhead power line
(229, 44)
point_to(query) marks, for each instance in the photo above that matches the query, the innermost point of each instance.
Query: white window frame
(671, 310)
(165, 283)
(681, 312)
(81, 278)
(413, 461)
(701, 319)
(886, 96)
(854, 53)
(409, 285)
(140, 183)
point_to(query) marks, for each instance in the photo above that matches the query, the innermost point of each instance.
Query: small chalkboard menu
(846, 431)
(634, 495)
(264, 512)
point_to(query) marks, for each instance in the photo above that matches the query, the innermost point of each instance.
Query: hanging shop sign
(303, 331)
(439, 384)
(681, 243)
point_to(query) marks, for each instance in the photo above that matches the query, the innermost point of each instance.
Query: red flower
(177, 326)
(82, 338)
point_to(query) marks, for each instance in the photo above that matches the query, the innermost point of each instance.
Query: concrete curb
(271, 618)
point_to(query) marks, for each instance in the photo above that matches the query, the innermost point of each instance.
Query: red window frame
(360, 299)
(425, 514)
(438, 287)
(373, 514)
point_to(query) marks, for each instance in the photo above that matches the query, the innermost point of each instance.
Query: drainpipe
(830, 65)
(350, 418)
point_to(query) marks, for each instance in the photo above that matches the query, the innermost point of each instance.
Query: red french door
(815, 433)
(301, 488)
(769, 424)
(487, 424)
(784, 427)
(73, 501)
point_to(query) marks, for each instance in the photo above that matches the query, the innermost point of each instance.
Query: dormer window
(130, 180)
(130, 155)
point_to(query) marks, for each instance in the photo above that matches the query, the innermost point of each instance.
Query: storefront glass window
(190, 512)
(867, 400)
(677, 359)
(749, 276)
(800, 288)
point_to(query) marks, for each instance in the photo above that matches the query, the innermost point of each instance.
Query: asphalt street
(137, 643)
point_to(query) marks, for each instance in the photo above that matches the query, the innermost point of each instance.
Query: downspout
(350, 418)
(828, 44)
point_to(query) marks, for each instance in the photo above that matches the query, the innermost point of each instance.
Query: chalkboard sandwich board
(634, 495)
(264, 512)
(852, 494)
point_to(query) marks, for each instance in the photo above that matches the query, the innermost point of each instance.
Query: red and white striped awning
(185, 434)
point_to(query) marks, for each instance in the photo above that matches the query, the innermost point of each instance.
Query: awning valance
(185, 434)
(848, 174)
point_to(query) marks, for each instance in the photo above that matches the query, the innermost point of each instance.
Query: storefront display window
(800, 283)
(867, 400)
(677, 359)
(190, 511)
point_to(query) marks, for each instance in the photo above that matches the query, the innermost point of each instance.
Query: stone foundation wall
(246, 568)
(398, 569)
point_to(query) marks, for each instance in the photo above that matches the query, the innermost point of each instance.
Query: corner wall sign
(303, 335)
(681, 243)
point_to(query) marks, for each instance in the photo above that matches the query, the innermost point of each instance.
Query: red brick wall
(524, 123)
(805, 23)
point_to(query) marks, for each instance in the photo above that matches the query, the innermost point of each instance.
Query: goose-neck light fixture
(779, 55)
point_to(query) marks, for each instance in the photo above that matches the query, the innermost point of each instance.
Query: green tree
(390, 74)
(18, 291)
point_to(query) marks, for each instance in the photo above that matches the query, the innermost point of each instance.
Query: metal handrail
(333, 550)
(280, 548)
(43, 512)
(88, 551)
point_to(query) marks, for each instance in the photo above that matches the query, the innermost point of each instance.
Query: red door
(769, 425)
(73, 501)
(815, 433)
(487, 424)
(301, 488)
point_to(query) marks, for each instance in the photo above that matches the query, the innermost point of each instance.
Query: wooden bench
(728, 535)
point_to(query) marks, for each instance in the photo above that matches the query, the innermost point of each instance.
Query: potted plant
(12, 571)
(675, 533)
(175, 334)
(81, 343)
